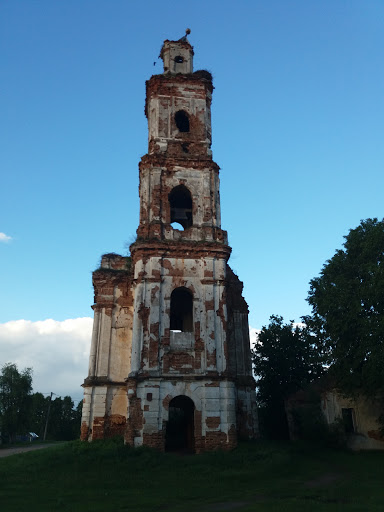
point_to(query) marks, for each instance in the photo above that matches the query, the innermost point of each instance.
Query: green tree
(347, 302)
(285, 359)
(39, 409)
(15, 400)
(64, 419)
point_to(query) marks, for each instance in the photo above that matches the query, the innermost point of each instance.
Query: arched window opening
(179, 435)
(182, 121)
(180, 201)
(181, 310)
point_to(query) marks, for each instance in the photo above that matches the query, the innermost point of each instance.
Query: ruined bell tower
(170, 363)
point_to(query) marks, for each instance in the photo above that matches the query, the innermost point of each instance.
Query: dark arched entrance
(180, 426)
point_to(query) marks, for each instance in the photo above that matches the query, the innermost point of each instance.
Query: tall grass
(106, 475)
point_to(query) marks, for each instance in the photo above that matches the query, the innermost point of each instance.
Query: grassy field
(258, 476)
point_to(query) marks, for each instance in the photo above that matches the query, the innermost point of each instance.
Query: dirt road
(6, 452)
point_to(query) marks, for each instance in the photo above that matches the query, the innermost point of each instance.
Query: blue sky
(297, 116)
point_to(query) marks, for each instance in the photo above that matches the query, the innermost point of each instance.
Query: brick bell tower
(170, 363)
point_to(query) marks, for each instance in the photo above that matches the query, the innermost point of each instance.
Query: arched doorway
(180, 426)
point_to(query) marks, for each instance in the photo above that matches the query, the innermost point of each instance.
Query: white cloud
(253, 333)
(5, 238)
(58, 352)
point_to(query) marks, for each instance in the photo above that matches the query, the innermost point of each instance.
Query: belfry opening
(170, 361)
(181, 310)
(182, 121)
(180, 202)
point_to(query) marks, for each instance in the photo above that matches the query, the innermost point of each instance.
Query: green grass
(258, 476)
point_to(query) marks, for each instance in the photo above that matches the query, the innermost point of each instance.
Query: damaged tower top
(177, 55)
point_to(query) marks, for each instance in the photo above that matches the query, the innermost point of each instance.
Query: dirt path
(6, 452)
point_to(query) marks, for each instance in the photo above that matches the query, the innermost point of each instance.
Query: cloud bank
(58, 352)
(5, 238)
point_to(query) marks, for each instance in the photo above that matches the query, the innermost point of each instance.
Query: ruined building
(170, 362)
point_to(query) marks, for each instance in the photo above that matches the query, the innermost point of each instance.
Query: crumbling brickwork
(170, 355)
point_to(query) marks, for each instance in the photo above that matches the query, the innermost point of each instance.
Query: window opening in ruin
(179, 59)
(182, 121)
(180, 201)
(179, 436)
(181, 318)
(348, 420)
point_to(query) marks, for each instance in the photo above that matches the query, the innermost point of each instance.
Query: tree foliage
(347, 302)
(15, 400)
(285, 359)
(63, 421)
(22, 412)
(39, 409)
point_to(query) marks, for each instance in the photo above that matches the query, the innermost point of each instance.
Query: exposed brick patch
(98, 428)
(220, 313)
(174, 272)
(213, 421)
(155, 329)
(84, 431)
(197, 361)
(156, 274)
(199, 345)
(153, 352)
(166, 340)
(135, 420)
(114, 425)
(166, 401)
(216, 440)
(106, 280)
(155, 440)
(181, 361)
(376, 434)
(143, 313)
